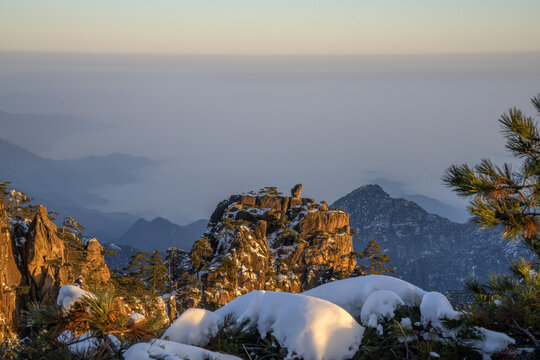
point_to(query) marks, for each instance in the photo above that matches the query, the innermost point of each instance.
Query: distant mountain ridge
(161, 234)
(434, 206)
(73, 178)
(122, 255)
(399, 190)
(425, 248)
(66, 185)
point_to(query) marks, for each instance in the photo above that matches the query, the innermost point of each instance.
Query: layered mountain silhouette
(426, 249)
(73, 178)
(67, 185)
(161, 234)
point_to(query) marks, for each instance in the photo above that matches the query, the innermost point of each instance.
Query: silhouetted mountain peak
(369, 190)
(161, 234)
(417, 240)
(372, 200)
(159, 221)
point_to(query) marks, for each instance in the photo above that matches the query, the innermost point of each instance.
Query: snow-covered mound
(163, 349)
(352, 293)
(315, 325)
(69, 295)
(307, 327)
(380, 304)
(193, 327)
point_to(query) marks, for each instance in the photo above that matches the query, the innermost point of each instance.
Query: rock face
(33, 265)
(426, 249)
(264, 242)
(95, 267)
(10, 278)
(43, 255)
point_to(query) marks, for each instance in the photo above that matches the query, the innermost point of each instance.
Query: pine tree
(17, 204)
(503, 195)
(71, 233)
(508, 197)
(270, 190)
(176, 262)
(200, 253)
(377, 262)
(138, 263)
(99, 317)
(155, 272)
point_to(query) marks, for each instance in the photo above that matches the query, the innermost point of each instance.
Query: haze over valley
(218, 125)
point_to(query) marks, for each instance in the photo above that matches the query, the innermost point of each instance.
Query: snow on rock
(492, 342)
(136, 318)
(380, 304)
(169, 350)
(69, 295)
(352, 293)
(85, 344)
(308, 327)
(193, 327)
(434, 307)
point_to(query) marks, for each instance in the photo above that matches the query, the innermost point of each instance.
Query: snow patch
(85, 344)
(136, 318)
(69, 295)
(492, 342)
(406, 323)
(162, 349)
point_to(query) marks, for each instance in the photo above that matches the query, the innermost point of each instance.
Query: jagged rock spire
(296, 191)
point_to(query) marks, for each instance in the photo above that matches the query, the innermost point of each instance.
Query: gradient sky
(271, 27)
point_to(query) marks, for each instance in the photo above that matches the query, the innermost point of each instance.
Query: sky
(270, 27)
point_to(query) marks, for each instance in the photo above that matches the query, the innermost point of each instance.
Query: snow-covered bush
(402, 321)
(90, 325)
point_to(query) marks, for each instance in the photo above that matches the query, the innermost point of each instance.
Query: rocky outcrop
(33, 265)
(95, 265)
(10, 278)
(296, 190)
(269, 242)
(43, 256)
